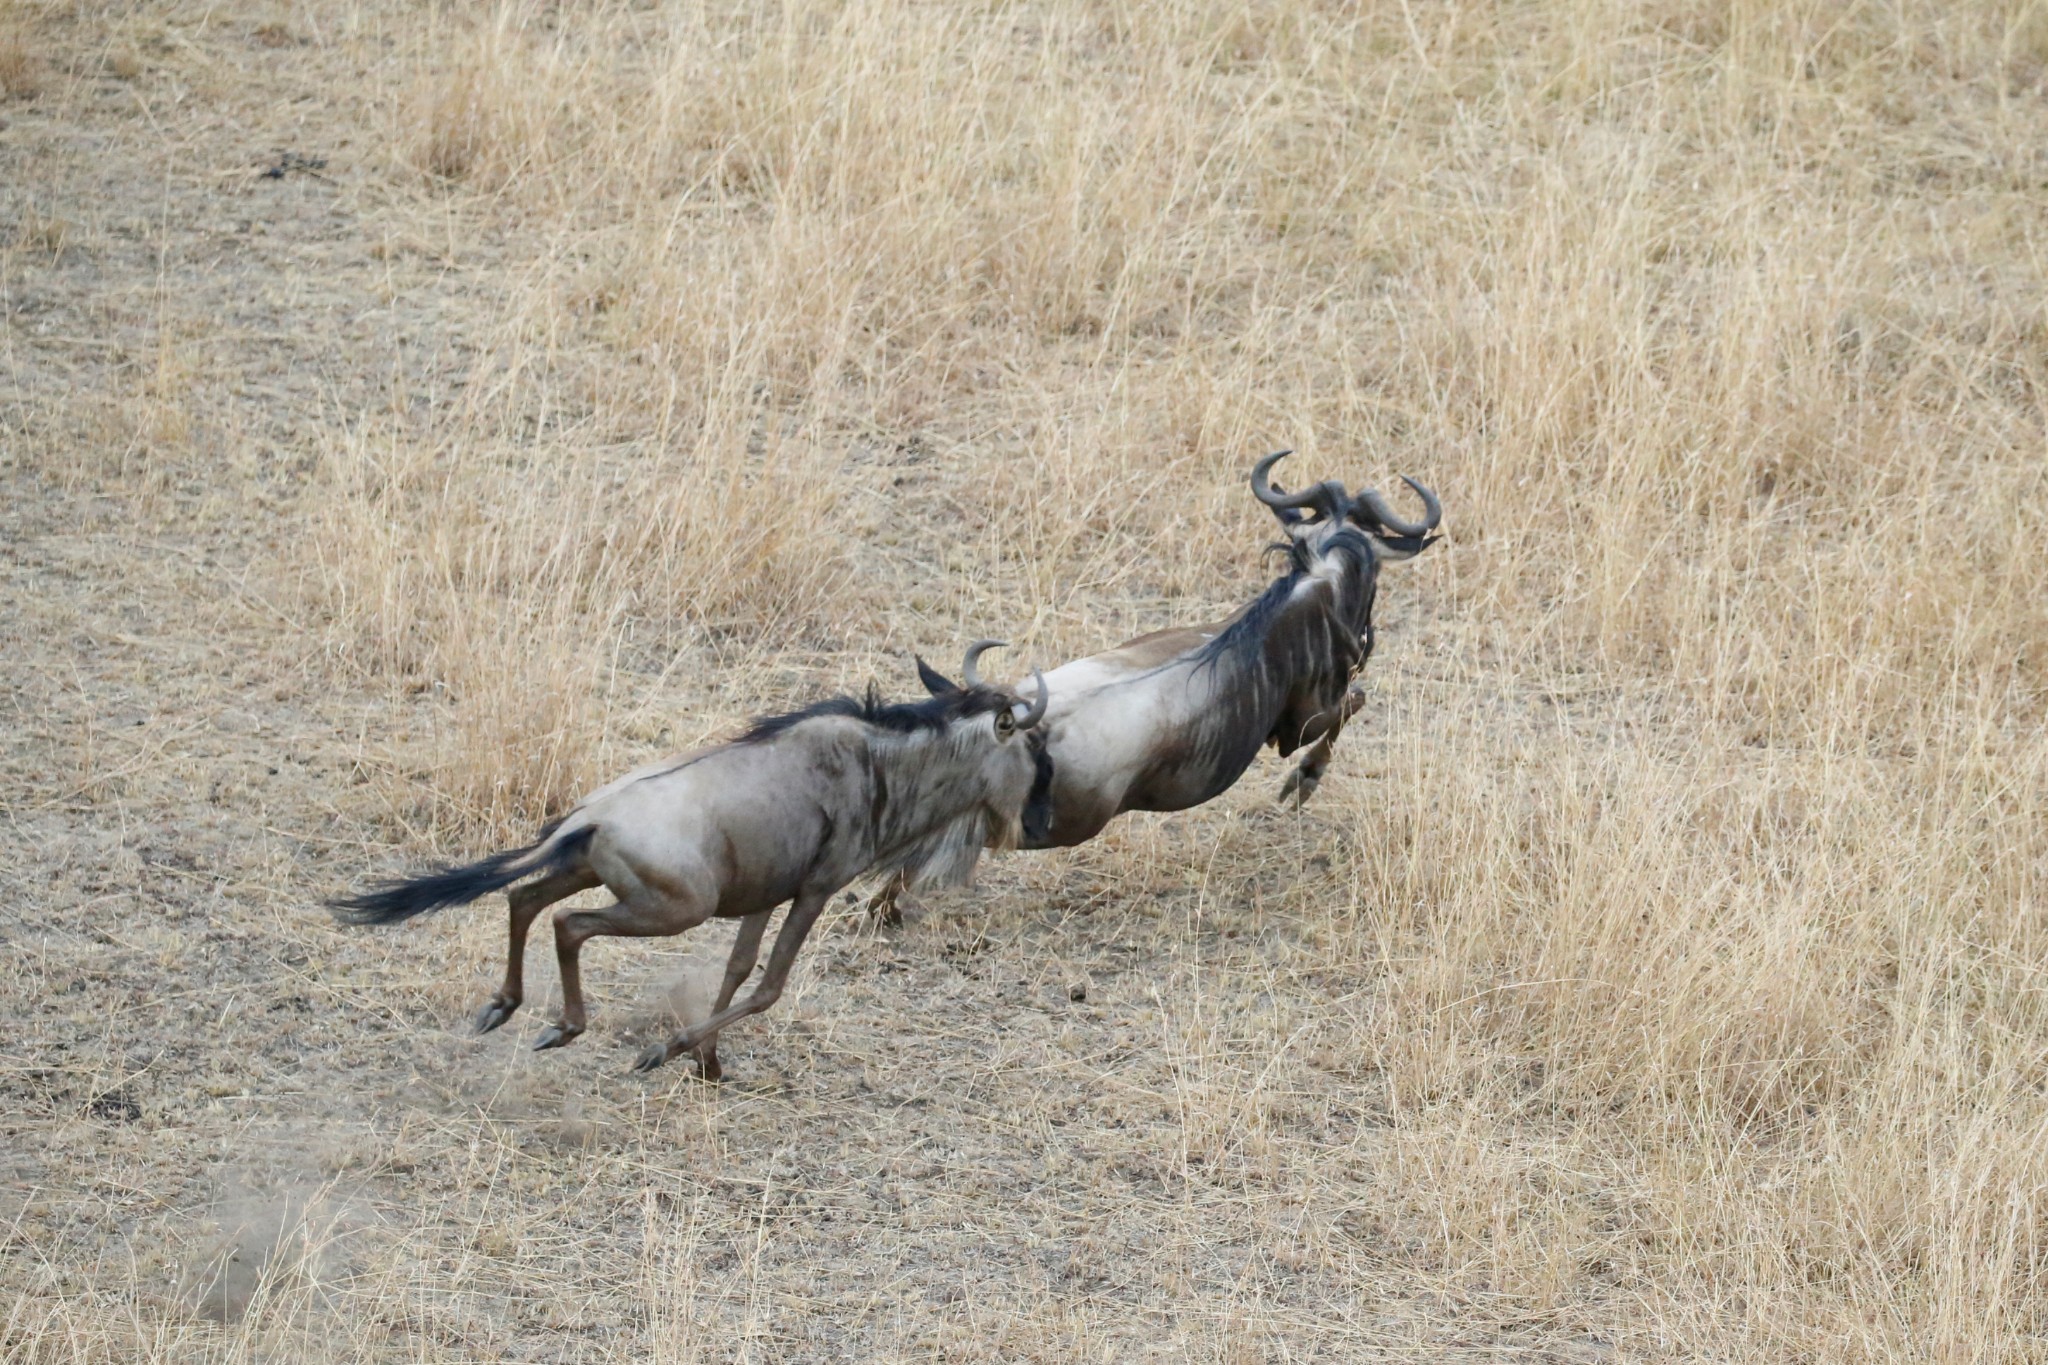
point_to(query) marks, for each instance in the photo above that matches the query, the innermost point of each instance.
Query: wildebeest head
(983, 715)
(1036, 811)
(1314, 515)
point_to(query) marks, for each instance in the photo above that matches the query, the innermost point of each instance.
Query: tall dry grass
(1668, 279)
(1705, 846)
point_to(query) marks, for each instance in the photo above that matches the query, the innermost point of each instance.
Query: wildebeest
(1172, 719)
(793, 810)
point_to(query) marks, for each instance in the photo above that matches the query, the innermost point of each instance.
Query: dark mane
(1244, 639)
(902, 717)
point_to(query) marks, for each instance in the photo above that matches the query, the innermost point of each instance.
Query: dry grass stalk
(20, 74)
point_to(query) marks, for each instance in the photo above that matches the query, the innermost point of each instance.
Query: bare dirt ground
(410, 418)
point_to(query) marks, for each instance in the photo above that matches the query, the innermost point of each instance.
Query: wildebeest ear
(935, 682)
(874, 701)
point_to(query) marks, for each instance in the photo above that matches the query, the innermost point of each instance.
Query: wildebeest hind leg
(648, 914)
(802, 915)
(526, 902)
(746, 951)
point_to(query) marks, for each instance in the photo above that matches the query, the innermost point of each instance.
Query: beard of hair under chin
(948, 857)
(1001, 834)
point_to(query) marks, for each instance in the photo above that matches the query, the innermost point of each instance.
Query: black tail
(390, 902)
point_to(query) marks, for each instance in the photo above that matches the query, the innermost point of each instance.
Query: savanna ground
(411, 416)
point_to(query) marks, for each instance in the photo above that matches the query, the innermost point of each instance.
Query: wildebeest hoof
(1300, 787)
(555, 1036)
(652, 1057)
(708, 1067)
(496, 1011)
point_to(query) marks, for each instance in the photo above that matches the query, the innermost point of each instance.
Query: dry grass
(1658, 975)
(20, 77)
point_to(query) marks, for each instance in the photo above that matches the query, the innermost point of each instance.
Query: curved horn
(1326, 497)
(1432, 511)
(1263, 490)
(1037, 711)
(968, 673)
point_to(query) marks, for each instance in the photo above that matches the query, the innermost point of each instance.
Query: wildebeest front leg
(802, 915)
(746, 950)
(1301, 784)
(526, 902)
